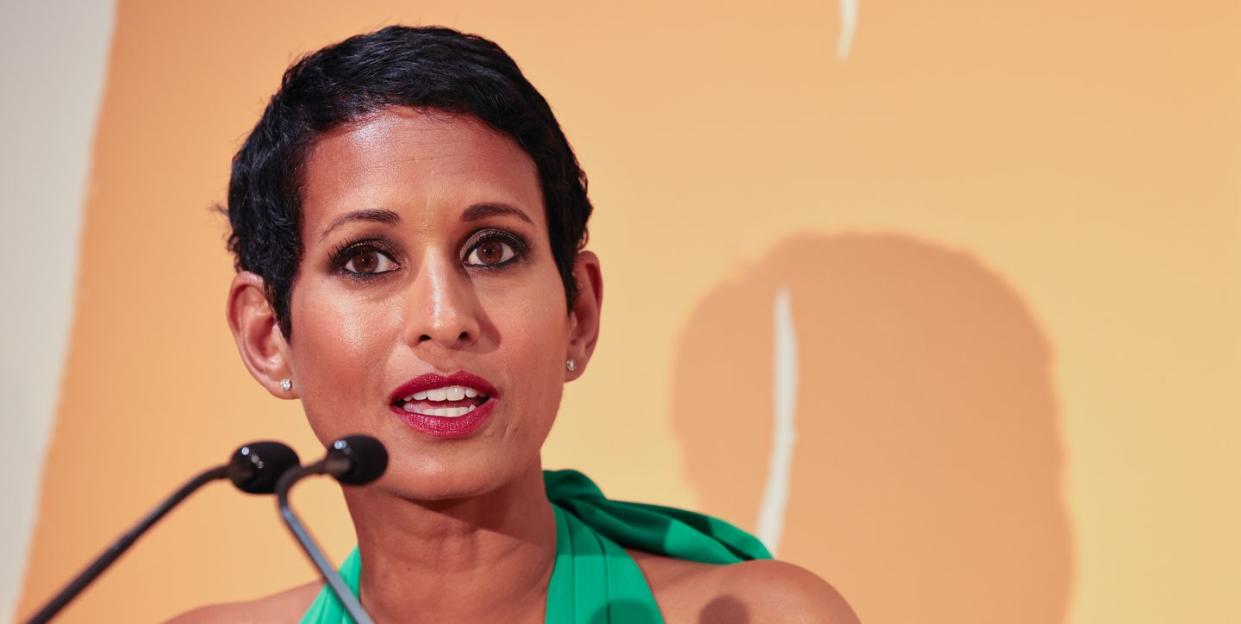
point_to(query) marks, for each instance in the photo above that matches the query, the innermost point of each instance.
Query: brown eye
(490, 252)
(369, 261)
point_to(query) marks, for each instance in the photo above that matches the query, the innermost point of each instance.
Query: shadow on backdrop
(924, 479)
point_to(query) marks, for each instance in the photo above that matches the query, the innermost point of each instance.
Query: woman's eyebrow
(382, 216)
(482, 211)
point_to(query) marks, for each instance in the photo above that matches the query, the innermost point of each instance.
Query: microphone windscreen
(256, 467)
(367, 459)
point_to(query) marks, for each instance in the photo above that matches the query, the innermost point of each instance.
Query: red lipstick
(414, 411)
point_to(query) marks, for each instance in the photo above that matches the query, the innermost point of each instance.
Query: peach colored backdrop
(1007, 235)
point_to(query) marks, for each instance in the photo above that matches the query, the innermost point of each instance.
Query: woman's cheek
(334, 340)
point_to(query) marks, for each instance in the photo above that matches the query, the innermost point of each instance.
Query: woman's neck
(484, 559)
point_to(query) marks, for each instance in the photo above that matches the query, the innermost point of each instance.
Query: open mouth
(452, 401)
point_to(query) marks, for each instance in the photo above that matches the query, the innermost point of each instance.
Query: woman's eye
(369, 261)
(490, 252)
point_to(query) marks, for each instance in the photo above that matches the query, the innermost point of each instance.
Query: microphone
(352, 460)
(253, 468)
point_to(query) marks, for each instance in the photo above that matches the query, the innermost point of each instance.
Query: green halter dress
(594, 581)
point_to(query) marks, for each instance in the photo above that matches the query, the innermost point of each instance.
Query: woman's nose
(442, 308)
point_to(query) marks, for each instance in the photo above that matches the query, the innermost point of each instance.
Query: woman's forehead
(414, 160)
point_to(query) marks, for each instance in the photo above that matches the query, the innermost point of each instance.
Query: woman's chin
(442, 482)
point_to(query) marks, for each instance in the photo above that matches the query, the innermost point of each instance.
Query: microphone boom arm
(118, 548)
(312, 548)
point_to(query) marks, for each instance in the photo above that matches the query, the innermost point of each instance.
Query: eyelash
(346, 251)
(515, 241)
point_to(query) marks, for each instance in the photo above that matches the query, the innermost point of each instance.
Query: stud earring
(571, 365)
(286, 384)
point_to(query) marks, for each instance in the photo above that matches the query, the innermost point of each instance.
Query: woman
(408, 222)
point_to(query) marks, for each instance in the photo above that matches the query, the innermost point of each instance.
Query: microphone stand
(253, 468)
(123, 543)
(307, 542)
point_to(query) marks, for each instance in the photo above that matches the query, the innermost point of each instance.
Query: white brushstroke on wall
(53, 59)
(848, 26)
(775, 499)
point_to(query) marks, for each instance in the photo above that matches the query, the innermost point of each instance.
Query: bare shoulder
(742, 593)
(779, 591)
(285, 606)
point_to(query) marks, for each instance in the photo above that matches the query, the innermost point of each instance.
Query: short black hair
(419, 67)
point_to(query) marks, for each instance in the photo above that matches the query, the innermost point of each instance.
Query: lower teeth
(443, 412)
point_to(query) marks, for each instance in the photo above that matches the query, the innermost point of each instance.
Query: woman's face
(426, 252)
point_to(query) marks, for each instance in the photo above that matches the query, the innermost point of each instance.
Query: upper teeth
(447, 393)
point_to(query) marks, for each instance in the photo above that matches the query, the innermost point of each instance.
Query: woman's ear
(259, 339)
(584, 315)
